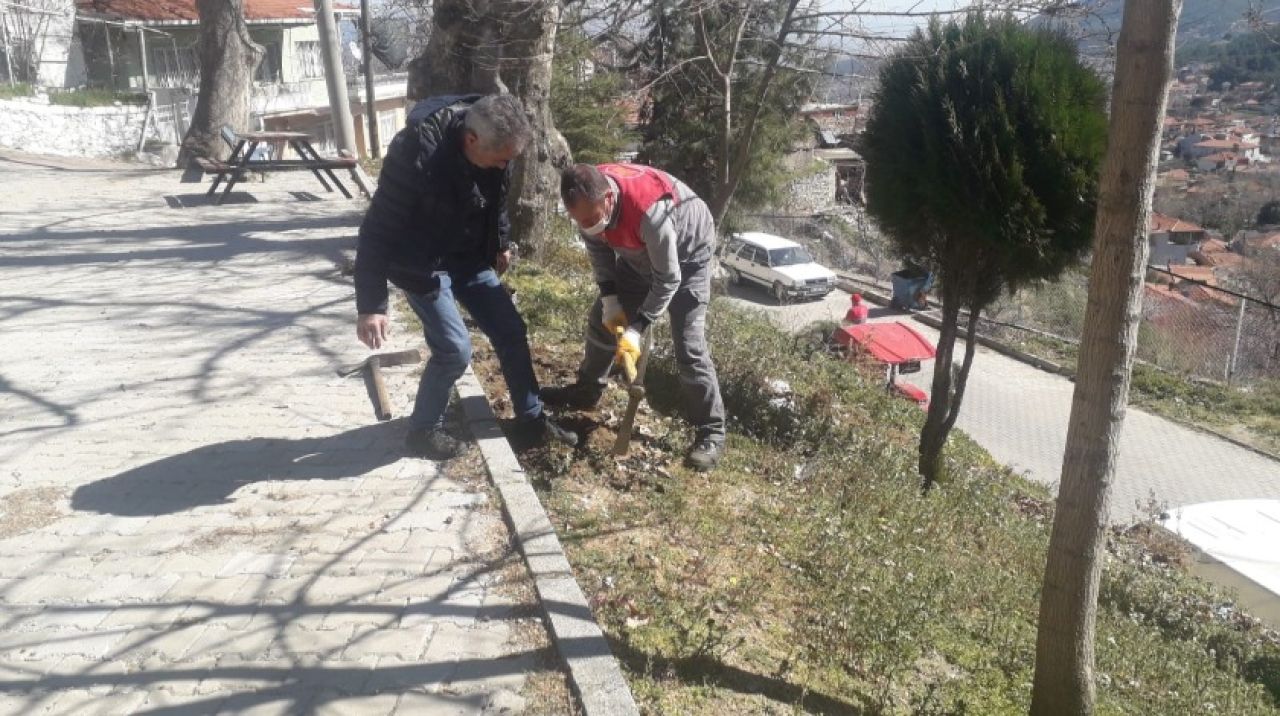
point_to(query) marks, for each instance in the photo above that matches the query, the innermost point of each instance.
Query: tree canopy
(983, 150)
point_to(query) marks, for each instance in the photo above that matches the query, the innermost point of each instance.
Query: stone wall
(31, 124)
(815, 190)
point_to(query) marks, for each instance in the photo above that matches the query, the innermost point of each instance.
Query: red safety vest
(639, 188)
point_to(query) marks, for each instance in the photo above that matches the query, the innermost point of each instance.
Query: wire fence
(1188, 327)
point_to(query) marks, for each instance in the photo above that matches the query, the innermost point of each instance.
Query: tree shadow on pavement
(209, 474)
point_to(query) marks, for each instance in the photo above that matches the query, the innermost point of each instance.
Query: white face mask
(601, 225)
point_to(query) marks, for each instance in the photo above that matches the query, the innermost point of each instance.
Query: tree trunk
(489, 46)
(460, 55)
(228, 58)
(948, 384)
(528, 53)
(933, 437)
(1068, 606)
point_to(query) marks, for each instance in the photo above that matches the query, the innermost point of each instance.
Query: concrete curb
(594, 674)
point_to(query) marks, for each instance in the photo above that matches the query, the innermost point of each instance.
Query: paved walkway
(1019, 414)
(196, 514)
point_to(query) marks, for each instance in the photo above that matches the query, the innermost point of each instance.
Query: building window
(308, 60)
(173, 66)
(386, 127)
(269, 68)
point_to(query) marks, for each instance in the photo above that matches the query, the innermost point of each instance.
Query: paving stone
(340, 705)
(249, 563)
(238, 534)
(442, 704)
(405, 644)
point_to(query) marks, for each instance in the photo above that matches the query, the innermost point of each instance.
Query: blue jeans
(491, 307)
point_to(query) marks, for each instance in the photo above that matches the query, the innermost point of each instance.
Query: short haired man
(651, 241)
(437, 227)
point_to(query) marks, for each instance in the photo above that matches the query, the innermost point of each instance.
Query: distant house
(119, 38)
(1172, 240)
(1234, 144)
(1174, 178)
(836, 119)
(1220, 162)
(1216, 254)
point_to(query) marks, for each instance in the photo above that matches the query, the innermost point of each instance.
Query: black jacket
(432, 209)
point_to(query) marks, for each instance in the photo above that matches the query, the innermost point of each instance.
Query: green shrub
(21, 89)
(95, 98)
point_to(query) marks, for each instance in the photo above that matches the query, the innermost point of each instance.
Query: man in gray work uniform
(651, 242)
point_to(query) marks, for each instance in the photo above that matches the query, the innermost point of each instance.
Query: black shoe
(435, 444)
(542, 430)
(576, 396)
(705, 455)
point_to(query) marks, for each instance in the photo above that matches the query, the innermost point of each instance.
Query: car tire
(780, 293)
(735, 277)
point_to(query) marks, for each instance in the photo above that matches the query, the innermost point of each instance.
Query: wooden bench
(241, 162)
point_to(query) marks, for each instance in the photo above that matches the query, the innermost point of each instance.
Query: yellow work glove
(628, 354)
(612, 314)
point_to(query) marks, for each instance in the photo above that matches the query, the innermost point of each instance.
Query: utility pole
(340, 106)
(1235, 346)
(142, 50)
(370, 104)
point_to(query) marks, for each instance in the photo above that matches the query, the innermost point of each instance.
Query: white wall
(32, 125)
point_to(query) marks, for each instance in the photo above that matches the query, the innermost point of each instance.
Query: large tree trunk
(489, 46)
(1068, 605)
(228, 58)
(461, 54)
(526, 71)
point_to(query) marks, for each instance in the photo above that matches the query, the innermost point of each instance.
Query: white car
(779, 265)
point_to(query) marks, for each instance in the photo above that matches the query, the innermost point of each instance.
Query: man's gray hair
(499, 122)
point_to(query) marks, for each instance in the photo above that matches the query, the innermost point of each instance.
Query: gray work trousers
(688, 312)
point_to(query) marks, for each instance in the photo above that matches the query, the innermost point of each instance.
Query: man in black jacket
(437, 228)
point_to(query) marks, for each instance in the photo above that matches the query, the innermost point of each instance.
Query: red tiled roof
(1226, 144)
(1222, 157)
(1270, 241)
(1203, 274)
(184, 11)
(1213, 246)
(1201, 294)
(1164, 292)
(1160, 222)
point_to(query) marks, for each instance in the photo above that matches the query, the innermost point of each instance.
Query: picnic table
(246, 158)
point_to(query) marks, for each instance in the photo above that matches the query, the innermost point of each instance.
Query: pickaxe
(635, 393)
(374, 364)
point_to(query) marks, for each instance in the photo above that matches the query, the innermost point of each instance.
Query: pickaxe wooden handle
(382, 401)
(374, 364)
(635, 392)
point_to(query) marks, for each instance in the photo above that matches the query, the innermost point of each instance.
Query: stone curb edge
(594, 673)
(1045, 365)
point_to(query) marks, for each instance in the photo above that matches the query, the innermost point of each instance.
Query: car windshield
(789, 257)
